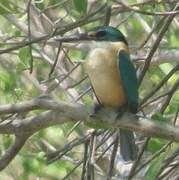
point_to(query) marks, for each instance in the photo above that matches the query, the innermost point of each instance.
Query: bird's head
(104, 33)
(107, 33)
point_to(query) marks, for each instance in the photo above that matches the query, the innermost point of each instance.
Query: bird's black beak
(75, 38)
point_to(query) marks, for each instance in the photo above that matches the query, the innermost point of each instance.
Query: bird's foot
(121, 111)
(96, 108)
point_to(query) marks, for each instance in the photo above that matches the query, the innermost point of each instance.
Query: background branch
(13, 150)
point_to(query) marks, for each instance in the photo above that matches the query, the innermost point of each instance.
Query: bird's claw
(96, 108)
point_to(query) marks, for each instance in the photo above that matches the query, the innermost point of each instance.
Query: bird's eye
(101, 33)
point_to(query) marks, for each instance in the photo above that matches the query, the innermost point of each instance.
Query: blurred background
(45, 67)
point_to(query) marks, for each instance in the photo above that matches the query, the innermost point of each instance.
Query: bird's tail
(128, 147)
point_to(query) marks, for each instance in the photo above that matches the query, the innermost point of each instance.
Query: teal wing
(129, 80)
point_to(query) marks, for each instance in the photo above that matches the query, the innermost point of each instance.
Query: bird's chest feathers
(104, 74)
(103, 58)
(102, 61)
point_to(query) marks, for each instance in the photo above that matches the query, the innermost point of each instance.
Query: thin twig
(152, 31)
(70, 173)
(29, 35)
(156, 44)
(90, 164)
(153, 100)
(113, 156)
(56, 60)
(86, 144)
(108, 16)
(82, 94)
(168, 172)
(160, 84)
(169, 96)
(54, 156)
(136, 163)
(167, 162)
(104, 152)
(58, 31)
(129, 8)
(77, 83)
(153, 156)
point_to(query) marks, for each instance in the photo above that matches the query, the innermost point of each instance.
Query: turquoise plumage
(130, 85)
(129, 80)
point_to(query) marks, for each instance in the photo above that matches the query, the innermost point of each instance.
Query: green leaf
(7, 141)
(155, 144)
(7, 7)
(60, 168)
(159, 117)
(3, 9)
(41, 156)
(24, 55)
(7, 81)
(31, 166)
(154, 168)
(18, 92)
(80, 5)
(166, 67)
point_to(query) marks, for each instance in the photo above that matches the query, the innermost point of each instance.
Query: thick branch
(62, 112)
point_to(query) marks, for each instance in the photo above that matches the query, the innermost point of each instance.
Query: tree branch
(61, 112)
(12, 151)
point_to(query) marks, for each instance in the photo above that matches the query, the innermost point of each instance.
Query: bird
(113, 78)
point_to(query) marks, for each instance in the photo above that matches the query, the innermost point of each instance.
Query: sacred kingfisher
(113, 77)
